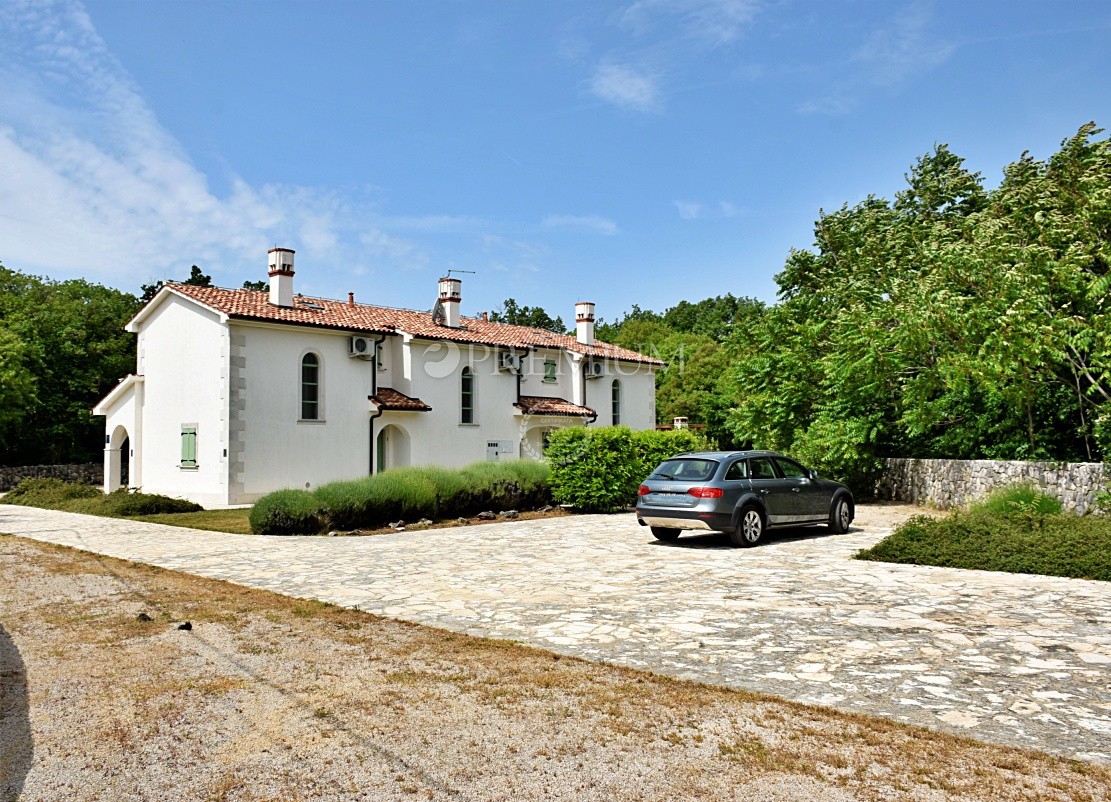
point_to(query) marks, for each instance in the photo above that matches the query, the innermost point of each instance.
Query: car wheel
(750, 529)
(840, 516)
(664, 533)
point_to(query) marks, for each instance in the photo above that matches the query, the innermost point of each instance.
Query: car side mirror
(811, 473)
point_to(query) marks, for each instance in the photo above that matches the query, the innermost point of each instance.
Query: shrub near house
(1016, 529)
(406, 494)
(600, 469)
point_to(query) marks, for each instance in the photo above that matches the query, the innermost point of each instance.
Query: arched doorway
(535, 441)
(391, 448)
(117, 460)
(125, 462)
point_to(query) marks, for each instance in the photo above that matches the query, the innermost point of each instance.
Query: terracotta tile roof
(325, 313)
(388, 398)
(539, 405)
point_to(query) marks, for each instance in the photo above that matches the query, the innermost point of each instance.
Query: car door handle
(794, 490)
(764, 490)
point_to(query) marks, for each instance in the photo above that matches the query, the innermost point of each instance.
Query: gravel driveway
(1018, 660)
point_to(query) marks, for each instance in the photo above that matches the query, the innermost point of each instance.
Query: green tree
(698, 341)
(955, 322)
(715, 318)
(532, 316)
(18, 388)
(68, 336)
(196, 279)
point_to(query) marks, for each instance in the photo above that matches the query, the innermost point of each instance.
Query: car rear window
(687, 470)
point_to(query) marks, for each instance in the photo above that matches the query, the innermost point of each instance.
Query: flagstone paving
(1021, 660)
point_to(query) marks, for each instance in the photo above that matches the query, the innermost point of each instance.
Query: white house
(241, 392)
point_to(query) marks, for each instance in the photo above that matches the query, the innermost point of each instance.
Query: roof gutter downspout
(378, 414)
(374, 370)
(519, 372)
(582, 377)
(370, 467)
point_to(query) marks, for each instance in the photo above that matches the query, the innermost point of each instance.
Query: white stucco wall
(638, 395)
(183, 354)
(278, 448)
(123, 424)
(239, 383)
(440, 437)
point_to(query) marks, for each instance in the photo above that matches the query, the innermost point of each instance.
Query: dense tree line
(700, 343)
(62, 348)
(953, 321)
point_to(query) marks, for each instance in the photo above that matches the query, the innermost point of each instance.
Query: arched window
(310, 387)
(466, 396)
(615, 400)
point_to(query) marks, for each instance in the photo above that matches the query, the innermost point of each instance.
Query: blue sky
(643, 152)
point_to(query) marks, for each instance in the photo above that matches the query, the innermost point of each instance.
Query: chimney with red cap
(281, 276)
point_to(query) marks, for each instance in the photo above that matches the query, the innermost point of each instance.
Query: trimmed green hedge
(287, 512)
(1018, 530)
(54, 494)
(403, 494)
(600, 469)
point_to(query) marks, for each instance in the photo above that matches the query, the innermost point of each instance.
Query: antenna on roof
(460, 271)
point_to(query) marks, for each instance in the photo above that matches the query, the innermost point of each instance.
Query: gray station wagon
(741, 493)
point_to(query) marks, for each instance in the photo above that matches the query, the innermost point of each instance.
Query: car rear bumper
(685, 519)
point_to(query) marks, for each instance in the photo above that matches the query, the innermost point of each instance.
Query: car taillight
(706, 492)
(643, 490)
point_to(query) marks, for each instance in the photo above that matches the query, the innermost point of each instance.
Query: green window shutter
(188, 446)
(549, 370)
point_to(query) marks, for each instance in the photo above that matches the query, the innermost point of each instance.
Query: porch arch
(392, 448)
(117, 460)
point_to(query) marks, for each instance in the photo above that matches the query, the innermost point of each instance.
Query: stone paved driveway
(1014, 659)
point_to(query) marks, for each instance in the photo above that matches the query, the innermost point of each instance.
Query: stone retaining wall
(90, 474)
(946, 483)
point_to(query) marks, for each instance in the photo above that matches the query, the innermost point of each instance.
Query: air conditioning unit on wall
(595, 370)
(362, 347)
(507, 360)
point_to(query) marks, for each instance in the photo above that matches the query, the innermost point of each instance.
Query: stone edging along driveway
(1020, 660)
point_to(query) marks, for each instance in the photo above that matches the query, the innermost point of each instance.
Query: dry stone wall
(89, 474)
(947, 483)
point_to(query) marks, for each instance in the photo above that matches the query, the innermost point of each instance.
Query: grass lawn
(1025, 542)
(234, 521)
(52, 494)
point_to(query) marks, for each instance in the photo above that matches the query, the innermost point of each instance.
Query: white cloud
(834, 105)
(901, 49)
(713, 21)
(95, 186)
(688, 210)
(590, 223)
(512, 255)
(728, 209)
(435, 223)
(625, 87)
(892, 55)
(665, 35)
